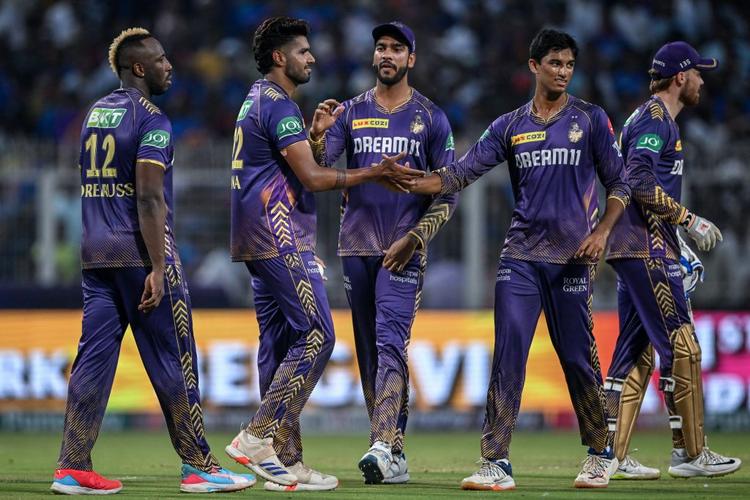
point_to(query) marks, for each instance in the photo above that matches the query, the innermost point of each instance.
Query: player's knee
(685, 344)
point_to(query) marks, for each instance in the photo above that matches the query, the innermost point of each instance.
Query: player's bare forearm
(595, 243)
(152, 212)
(431, 184)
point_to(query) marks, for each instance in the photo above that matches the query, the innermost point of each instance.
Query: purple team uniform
(553, 167)
(384, 303)
(643, 247)
(273, 232)
(119, 130)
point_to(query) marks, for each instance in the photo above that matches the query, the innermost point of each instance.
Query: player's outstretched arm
(316, 178)
(152, 215)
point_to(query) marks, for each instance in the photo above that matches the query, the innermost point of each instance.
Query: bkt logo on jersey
(387, 145)
(106, 117)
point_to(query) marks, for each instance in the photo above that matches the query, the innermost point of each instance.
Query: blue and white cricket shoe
(219, 479)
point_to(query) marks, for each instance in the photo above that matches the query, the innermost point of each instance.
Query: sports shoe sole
(80, 490)
(272, 486)
(370, 470)
(242, 459)
(467, 485)
(677, 473)
(403, 478)
(635, 477)
(214, 488)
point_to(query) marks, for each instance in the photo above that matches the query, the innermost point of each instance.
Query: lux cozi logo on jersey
(106, 117)
(528, 137)
(370, 123)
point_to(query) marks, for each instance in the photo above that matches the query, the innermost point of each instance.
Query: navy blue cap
(674, 57)
(397, 30)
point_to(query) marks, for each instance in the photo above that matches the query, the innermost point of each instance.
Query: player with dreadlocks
(273, 232)
(132, 276)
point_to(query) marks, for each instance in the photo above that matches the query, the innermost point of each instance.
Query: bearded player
(132, 275)
(273, 179)
(644, 251)
(384, 235)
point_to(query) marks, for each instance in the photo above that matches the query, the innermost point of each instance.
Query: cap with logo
(397, 30)
(674, 57)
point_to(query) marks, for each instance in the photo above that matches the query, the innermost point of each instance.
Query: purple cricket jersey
(373, 217)
(653, 160)
(272, 213)
(119, 130)
(553, 167)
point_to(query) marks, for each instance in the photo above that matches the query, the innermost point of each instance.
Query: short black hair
(272, 34)
(550, 40)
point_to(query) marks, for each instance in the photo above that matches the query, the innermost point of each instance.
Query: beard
(298, 76)
(689, 97)
(392, 80)
(157, 87)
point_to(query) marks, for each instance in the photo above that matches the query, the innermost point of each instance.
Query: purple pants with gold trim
(296, 341)
(522, 291)
(383, 306)
(165, 342)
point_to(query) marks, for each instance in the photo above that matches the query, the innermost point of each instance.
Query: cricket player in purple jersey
(384, 235)
(132, 276)
(273, 233)
(645, 251)
(556, 146)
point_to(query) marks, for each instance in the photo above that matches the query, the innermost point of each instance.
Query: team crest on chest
(417, 125)
(575, 132)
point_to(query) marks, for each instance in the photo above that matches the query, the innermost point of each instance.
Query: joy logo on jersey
(156, 138)
(106, 117)
(288, 126)
(652, 142)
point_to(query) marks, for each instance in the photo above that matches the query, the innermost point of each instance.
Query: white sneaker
(398, 471)
(706, 464)
(307, 480)
(376, 462)
(259, 456)
(596, 471)
(495, 475)
(630, 468)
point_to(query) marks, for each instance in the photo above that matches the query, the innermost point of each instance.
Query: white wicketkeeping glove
(703, 231)
(691, 266)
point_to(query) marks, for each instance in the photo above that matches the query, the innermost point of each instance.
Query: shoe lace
(594, 466)
(488, 468)
(709, 457)
(629, 461)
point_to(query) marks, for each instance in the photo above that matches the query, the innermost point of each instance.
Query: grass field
(544, 464)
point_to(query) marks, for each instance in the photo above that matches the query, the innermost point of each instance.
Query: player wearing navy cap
(384, 235)
(644, 249)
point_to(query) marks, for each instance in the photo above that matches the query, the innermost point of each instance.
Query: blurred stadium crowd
(471, 60)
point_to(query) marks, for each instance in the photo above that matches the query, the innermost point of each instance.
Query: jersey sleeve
(441, 152)
(155, 141)
(647, 141)
(328, 149)
(489, 151)
(608, 158)
(284, 124)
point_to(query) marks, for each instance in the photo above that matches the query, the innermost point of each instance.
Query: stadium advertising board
(450, 357)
